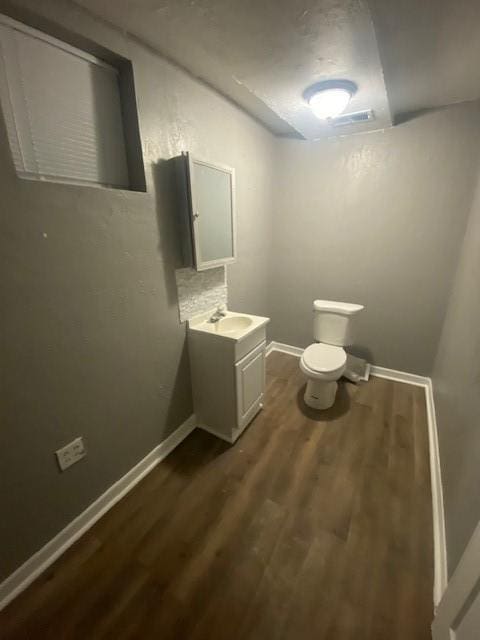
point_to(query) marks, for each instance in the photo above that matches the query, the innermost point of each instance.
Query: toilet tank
(333, 322)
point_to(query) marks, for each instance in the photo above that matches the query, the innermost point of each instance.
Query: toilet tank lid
(345, 308)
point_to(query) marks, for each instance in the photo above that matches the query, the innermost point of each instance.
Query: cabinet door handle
(196, 215)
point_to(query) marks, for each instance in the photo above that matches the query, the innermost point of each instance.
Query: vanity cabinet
(228, 380)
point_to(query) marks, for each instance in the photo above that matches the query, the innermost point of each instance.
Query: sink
(233, 324)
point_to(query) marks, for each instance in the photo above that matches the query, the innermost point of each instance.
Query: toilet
(324, 362)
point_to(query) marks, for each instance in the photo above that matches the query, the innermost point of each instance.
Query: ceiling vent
(353, 118)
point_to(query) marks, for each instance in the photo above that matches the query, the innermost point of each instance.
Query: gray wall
(92, 344)
(376, 219)
(456, 380)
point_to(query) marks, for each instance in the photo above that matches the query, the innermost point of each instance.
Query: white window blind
(62, 109)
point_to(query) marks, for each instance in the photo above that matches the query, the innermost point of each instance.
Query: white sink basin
(233, 326)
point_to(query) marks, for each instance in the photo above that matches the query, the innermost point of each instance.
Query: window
(62, 109)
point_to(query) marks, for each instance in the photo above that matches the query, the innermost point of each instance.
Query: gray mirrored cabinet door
(212, 209)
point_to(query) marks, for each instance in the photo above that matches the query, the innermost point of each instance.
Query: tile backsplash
(199, 291)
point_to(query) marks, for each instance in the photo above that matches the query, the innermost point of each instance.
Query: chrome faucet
(219, 313)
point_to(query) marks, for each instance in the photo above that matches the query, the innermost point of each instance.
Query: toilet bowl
(323, 365)
(324, 362)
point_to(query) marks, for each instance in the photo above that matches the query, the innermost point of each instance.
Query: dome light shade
(330, 98)
(329, 102)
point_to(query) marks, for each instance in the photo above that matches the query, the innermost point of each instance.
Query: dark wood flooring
(312, 526)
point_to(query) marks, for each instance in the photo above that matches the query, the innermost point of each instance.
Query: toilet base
(320, 395)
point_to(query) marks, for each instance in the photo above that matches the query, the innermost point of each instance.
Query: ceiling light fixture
(329, 98)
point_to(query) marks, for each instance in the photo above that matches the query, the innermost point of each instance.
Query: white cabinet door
(458, 614)
(250, 382)
(212, 213)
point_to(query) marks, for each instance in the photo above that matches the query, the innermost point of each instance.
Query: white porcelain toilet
(324, 362)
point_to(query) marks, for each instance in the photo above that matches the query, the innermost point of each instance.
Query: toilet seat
(323, 361)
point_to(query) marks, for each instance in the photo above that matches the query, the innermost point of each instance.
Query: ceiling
(430, 50)
(404, 56)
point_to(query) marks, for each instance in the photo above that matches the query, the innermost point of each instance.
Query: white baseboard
(284, 348)
(399, 376)
(42, 559)
(439, 540)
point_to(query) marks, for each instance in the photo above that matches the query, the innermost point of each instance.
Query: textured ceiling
(430, 50)
(262, 54)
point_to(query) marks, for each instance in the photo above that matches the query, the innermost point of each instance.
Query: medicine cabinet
(209, 213)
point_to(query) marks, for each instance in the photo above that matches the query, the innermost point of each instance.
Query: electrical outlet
(70, 453)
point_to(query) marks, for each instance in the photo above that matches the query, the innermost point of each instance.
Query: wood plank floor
(313, 526)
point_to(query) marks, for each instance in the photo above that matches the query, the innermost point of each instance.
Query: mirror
(211, 195)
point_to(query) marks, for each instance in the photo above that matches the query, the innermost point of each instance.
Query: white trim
(42, 559)
(439, 538)
(399, 376)
(284, 348)
(461, 597)
(438, 515)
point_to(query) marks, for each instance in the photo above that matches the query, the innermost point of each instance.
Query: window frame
(123, 72)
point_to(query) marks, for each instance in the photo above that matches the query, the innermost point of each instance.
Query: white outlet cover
(70, 453)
